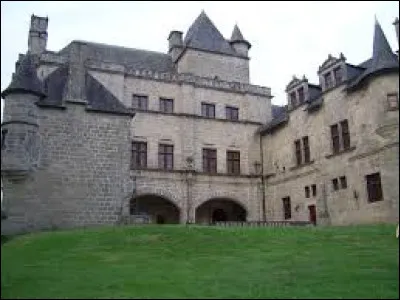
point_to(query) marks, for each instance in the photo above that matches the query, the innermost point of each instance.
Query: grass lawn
(203, 262)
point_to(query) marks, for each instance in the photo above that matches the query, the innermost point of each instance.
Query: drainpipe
(262, 179)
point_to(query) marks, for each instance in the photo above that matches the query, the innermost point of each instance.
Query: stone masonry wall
(83, 174)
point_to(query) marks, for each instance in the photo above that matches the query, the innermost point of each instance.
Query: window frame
(232, 113)
(141, 155)
(205, 109)
(376, 182)
(165, 103)
(233, 162)
(287, 208)
(166, 156)
(209, 161)
(140, 98)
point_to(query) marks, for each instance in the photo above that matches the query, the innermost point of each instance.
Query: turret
(239, 44)
(37, 39)
(175, 44)
(20, 128)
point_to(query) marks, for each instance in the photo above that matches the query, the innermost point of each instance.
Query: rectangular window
(314, 190)
(345, 134)
(3, 138)
(210, 160)
(298, 152)
(140, 102)
(307, 191)
(335, 184)
(166, 105)
(293, 99)
(343, 182)
(233, 162)
(232, 113)
(139, 155)
(208, 110)
(393, 101)
(335, 138)
(301, 94)
(287, 210)
(306, 148)
(374, 187)
(328, 80)
(166, 157)
(338, 75)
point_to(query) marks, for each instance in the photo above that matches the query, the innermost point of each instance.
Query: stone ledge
(301, 166)
(340, 152)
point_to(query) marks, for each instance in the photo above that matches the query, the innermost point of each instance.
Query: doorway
(219, 215)
(312, 214)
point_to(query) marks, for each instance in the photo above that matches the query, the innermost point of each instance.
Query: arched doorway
(220, 210)
(157, 209)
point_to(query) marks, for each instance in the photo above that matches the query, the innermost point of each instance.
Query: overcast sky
(287, 37)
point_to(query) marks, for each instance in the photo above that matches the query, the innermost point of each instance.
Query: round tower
(238, 43)
(20, 128)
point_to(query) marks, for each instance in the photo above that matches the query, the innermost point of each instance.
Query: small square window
(335, 184)
(343, 182)
(314, 190)
(307, 191)
(393, 101)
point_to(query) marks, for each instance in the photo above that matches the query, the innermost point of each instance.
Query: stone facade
(70, 121)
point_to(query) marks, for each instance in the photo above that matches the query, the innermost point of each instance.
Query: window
(167, 105)
(338, 75)
(287, 210)
(345, 134)
(166, 157)
(335, 184)
(3, 138)
(208, 110)
(340, 141)
(232, 113)
(301, 95)
(139, 102)
(393, 101)
(343, 182)
(307, 191)
(374, 187)
(298, 152)
(335, 138)
(139, 155)
(233, 162)
(293, 99)
(328, 80)
(314, 190)
(306, 149)
(210, 160)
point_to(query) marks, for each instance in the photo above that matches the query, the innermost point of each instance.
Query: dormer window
(338, 75)
(301, 94)
(328, 80)
(293, 99)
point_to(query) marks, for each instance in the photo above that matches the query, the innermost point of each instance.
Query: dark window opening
(287, 208)
(167, 105)
(314, 190)
(208, 110)
(338, 75)
(343, 182)
(140, 102)
(335, 138)
(166, 157)
(335, 184)
(210, 160)
(139, 155)
(232, 113)
(293, 99)
(307, 191)
(374, 187)
(306, 148)
(233, 162)
(301, 94)
(298, 152)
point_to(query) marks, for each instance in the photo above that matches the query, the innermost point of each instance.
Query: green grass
(203, 262)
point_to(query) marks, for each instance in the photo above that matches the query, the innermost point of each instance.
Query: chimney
(396, 25)
(37, 39)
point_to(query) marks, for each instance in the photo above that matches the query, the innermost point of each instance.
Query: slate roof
(100, 99)
(383, 59)
(54, 85)
(203, 35)
(280, 116)
(25, 79)
(130, 57)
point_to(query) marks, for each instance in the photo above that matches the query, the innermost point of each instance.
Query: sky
(288, 38)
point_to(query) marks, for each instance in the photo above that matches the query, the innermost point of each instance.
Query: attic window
(338, 75)
(328, 80)
(301, 94)
(293, 99)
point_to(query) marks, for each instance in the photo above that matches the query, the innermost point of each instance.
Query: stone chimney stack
(175, 44)
(37, 40)
(396, 25)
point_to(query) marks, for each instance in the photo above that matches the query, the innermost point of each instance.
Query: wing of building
(100, 134)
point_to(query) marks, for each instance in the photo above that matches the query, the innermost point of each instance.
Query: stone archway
(220, 210)
(157, 209)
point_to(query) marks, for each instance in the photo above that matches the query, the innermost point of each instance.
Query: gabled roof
(25, 79)
(383, 59)
(203, 35)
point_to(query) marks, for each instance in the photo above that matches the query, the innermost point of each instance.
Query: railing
(262, 223)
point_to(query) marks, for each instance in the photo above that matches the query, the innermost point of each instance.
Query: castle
(100, 134)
